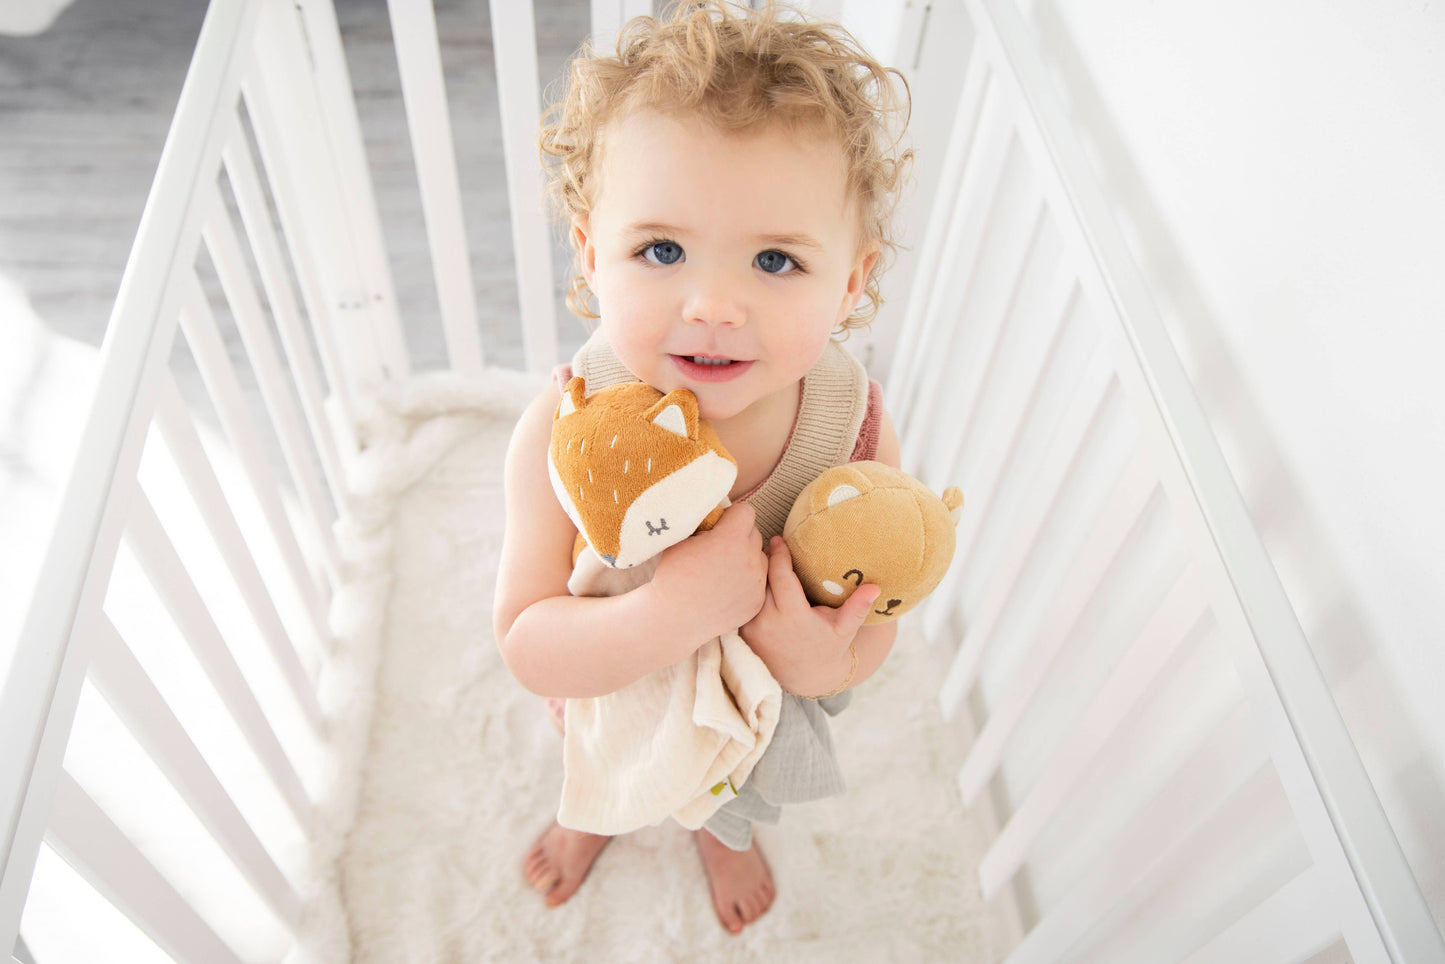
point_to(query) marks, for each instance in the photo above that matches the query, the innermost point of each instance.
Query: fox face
(635, 470)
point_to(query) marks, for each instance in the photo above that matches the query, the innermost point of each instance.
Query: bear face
(866, 522)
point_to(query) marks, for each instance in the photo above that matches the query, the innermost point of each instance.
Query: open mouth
(708, 368)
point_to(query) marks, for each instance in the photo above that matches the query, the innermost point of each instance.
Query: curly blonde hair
(739, 69)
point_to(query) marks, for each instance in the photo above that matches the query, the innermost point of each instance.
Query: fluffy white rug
(463, 771)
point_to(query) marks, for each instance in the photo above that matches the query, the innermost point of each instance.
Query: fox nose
(610, 560)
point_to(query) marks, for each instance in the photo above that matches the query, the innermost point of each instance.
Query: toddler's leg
(559, 861)
(739, 880)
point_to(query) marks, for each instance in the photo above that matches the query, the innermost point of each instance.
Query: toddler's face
(734, 247)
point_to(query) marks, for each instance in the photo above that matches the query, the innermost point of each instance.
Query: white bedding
(463, 769)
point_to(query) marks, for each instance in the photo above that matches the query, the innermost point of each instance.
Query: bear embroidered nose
(889, 611)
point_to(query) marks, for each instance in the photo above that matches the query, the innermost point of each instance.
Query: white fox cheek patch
(669, 510)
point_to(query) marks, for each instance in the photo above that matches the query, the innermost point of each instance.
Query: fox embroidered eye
(661, 253)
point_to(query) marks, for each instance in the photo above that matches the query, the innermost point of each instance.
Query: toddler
(727, 178)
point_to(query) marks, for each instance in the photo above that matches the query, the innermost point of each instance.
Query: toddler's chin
(714, 410)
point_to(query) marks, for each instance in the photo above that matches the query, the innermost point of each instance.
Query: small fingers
(856, 608)
(781, 578)
(738, 514)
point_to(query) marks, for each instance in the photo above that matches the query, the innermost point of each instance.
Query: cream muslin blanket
(677, 743)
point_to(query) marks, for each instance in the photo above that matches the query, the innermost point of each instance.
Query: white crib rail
(1191, 792)
(262, 226)
(69, 636)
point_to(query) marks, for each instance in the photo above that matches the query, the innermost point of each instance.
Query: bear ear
(574, 397)
(953, 502)
(677, 412)
(838, 484)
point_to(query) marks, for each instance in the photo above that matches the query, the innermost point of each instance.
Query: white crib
(1170, 778)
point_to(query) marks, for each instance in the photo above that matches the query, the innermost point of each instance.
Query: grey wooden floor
(84, 109)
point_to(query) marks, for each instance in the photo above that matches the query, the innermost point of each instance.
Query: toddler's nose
(715, 302)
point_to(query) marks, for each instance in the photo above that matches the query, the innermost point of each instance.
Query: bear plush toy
(866, 522)
(638, 471)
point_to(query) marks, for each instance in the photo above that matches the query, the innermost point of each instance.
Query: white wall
(1280, 168)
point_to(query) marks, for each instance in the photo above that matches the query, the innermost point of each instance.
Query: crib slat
(89, 841)
(225, 250)
(1195, 795)
(1287, 928)
(990, 299)
(1002, 442)
(282, 176)
(291, 130)
(1126, 686)
(1007, 439)
(423, 91)
(969, 222)
(39, 693)
(247, 187)
(1021, 390)
(167, 573)
(190, 457)
(1045, 487)
(1383, 913)
(303, 66)
(514, 45)
(210, 354)
(126, 687)
(1010, 240)
(1131, 498)
(911, 353)
(608, 16)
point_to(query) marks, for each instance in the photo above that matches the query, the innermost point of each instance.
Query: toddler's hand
(716, 577)
(804, 646)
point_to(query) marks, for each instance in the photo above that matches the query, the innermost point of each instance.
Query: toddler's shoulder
(533, 432)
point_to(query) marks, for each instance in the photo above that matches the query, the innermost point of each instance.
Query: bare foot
(740, 882)
(559, 861)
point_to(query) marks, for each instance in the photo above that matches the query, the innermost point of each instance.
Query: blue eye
(775, 262)
(663, 252)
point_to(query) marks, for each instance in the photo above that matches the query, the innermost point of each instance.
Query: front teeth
(700, 360)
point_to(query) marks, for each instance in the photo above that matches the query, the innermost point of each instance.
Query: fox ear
(677, 412)
(574, 396)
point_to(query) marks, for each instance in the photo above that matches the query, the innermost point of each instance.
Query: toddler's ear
(582, 242)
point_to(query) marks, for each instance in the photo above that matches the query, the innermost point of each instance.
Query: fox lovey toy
(637, 472)
(654, 475)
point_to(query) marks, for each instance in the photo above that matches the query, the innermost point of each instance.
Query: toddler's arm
(807, 647)
(557, 644)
